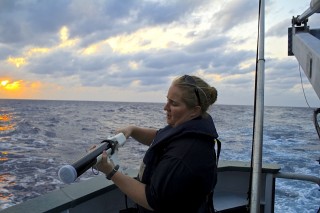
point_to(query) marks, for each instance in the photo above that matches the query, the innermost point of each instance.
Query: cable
(304, 94)
(316, 111)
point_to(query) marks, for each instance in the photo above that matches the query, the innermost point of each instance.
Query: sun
(4, 83)
(17, 88)
(8, 85)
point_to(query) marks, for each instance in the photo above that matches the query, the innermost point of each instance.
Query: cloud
(138, 46)
(280, 29)
(234, 14)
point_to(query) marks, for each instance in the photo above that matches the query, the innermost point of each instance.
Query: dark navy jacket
(180, 167)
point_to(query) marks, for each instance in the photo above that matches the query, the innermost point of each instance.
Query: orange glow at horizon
(7, 85)
(4, 83)
(18, 88)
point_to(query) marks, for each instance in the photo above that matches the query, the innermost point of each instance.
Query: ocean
(37, 137)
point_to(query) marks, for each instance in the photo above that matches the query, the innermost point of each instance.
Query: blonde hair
(196, 92)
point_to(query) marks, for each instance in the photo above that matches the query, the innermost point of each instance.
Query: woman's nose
(166, 107)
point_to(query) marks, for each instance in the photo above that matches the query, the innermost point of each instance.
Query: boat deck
(100, 195)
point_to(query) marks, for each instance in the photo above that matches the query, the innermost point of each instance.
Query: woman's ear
(196, 111)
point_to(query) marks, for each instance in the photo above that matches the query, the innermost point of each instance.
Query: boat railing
(231, 196)
(294, 176)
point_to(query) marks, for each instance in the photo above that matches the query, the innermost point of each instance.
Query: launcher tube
(69, 173)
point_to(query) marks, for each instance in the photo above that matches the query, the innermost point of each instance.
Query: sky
(131, 50)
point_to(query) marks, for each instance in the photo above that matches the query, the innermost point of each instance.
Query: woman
(179, 170)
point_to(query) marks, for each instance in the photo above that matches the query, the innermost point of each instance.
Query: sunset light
(5, 125)
(64, 38)
(19, 88)
(4, 83)
(36, 50)
(64, 33)
(18, 62)
(7, 85)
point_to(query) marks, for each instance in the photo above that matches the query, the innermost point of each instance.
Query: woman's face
(177, 110)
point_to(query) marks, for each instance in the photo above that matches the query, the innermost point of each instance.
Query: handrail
(295, 176)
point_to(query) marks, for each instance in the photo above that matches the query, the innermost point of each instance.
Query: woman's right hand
(142, 135)
(127, 131)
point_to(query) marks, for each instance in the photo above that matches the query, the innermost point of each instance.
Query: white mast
(258, 120)
(259, 93)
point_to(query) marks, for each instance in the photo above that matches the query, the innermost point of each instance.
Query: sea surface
(38, 137)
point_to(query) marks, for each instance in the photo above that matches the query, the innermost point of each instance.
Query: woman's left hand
(105, 165)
